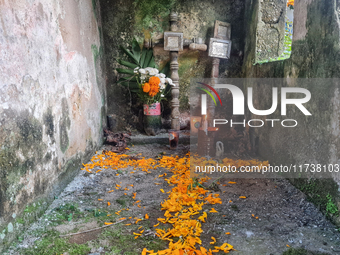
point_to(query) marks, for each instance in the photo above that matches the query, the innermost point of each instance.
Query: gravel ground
(285, 217)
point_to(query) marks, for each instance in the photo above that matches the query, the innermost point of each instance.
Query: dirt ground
(273, 217)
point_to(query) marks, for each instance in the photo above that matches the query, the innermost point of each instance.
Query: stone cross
(173, 42)
(219, 47)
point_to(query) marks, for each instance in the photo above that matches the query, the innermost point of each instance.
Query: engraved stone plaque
(219, 48)
(173, 41)
(222, 30)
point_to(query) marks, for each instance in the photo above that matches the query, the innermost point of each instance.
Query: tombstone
(220, 45)
(270, 29)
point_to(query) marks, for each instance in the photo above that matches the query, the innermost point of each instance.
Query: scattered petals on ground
(184, 206)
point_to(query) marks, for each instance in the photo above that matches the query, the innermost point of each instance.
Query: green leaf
(131, 85)
(133, 57)
(126, 71)
(134, 90)
(128, 78)
(152, 63)
(166, 69)
(127, 64)
(149, 56)
(142, 58)
(136, 49)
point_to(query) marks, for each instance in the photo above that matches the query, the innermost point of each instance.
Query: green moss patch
(301, 251)
(321, 192)
(51, 243)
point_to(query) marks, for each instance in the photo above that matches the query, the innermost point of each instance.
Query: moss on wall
(314, 56)
(323, 193)
(52, 102)
(189, 66)
(152, 16)
(65, 124)
(21, 152)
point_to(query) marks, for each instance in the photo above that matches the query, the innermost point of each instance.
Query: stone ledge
(163, 138)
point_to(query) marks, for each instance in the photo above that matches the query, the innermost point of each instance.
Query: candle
(205, 124)
(195, 124)
(173, 139)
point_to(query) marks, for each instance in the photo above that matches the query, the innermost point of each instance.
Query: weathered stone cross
(173, 41)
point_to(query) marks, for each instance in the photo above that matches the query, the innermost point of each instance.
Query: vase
(152, 121)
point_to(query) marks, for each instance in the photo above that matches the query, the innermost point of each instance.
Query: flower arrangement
(290, 3)
(152, 84)
(143, 78)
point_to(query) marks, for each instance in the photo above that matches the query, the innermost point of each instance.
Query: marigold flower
(213, 210)
(146, 87)
(154, 81)
(290, 2)
(214, 240)
(184, 200)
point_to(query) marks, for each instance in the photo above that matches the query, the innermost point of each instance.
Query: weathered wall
(315, 54)
(123, 20)
(52, 102)
(270, 29)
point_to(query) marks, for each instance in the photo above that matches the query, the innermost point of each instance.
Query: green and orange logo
(209, 93)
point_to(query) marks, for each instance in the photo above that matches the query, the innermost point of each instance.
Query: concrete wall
(315, 54)
(123, 20)
(52, 102)
(270, 29)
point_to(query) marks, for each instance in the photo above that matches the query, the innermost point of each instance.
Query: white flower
(162, 86)
(170, 82)
(152, 71)
(143, 77)
(162, 95)
(160, 75)
(162, 80)
(142, 71)
(136, 70)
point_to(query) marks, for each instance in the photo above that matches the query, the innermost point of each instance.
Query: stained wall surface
(315, 55)
(52, 102)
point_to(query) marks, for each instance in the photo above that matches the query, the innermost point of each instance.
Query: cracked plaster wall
(52, 101)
